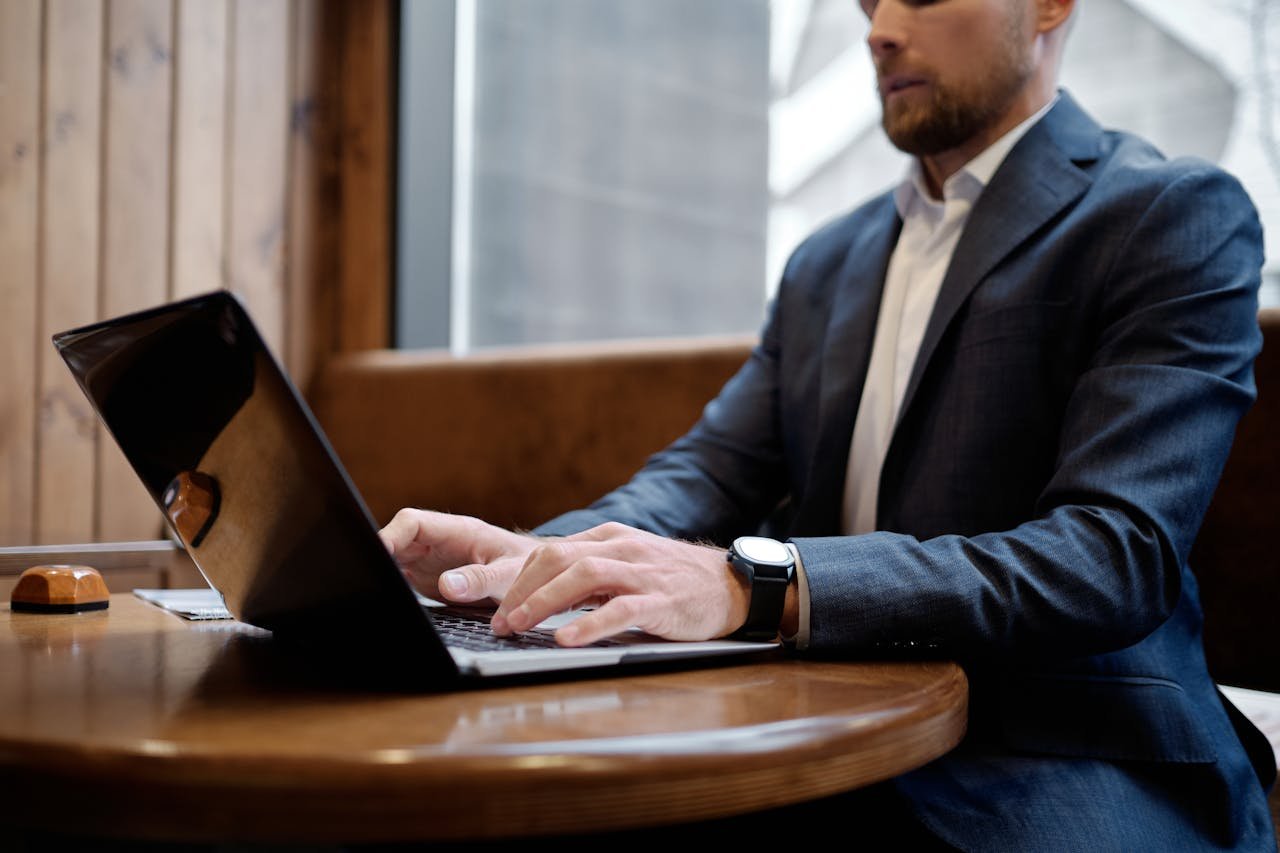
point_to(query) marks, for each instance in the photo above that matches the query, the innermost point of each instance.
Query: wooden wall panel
(69, 224)
(135, 256)
(312, 228)
(259, 128)
(366, 174)
(20, 64)
(199, 145)
(152, 149)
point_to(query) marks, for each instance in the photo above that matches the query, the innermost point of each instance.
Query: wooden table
(153, 727)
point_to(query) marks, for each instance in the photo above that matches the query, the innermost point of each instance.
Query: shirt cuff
(800, 640)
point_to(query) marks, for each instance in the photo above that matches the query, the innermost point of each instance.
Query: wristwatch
(768, 565)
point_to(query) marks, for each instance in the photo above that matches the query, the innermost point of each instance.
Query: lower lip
(903, 89)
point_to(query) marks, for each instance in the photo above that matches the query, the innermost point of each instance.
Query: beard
(957, 112)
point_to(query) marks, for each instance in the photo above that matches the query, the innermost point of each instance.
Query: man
(993, 406)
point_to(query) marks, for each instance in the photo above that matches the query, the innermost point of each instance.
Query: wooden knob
(59, 589)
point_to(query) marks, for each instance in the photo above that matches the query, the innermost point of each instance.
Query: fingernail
(518, 619)
(499, 625)
(453, 584)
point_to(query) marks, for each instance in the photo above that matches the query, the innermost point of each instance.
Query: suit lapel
(846, 349)
(1037, 180)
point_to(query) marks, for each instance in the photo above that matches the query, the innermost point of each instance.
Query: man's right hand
(455, 557)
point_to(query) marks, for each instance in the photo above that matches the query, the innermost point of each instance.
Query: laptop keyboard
(471, 631)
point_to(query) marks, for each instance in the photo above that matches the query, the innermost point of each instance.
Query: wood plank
(70, 221)
(20, 26)
(364, 308)
(199, 145)
(259, 130)
(320, 39)
(313, 188)
(136, 209)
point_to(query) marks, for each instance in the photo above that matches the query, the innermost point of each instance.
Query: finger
(478, 581)
(614, 617)
(543, 563)
(387, 541)
(587, 577)
(401, 531)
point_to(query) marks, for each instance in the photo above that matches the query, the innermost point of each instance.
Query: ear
(1052, 14)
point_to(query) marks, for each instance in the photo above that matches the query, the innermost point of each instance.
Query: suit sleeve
(719, 480)
(1144, 436)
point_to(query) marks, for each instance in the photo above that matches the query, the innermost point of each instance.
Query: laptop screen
(237, 464)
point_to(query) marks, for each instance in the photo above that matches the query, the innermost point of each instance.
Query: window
(585, 169)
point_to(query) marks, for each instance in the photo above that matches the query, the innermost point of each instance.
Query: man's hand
(455, 557)
(666, 587)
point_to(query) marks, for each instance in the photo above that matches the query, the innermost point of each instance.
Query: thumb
(466, 584)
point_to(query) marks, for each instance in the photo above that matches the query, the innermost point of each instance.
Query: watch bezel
(746, 547)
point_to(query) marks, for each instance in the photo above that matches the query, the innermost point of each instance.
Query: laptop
(250, 486)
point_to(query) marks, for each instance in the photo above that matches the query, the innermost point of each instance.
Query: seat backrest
(1236, 557)
(514, 436)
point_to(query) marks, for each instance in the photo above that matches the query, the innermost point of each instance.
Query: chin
(906, 137)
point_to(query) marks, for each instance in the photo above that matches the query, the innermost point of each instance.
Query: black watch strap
(763, 564)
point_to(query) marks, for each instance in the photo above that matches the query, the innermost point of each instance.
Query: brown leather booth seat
(1236, 557)
(513, 436)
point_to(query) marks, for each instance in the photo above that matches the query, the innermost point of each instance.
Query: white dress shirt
(930, 231)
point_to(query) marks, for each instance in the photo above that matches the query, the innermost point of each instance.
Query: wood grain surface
(200, 79)
(160, 728)
(20, 28)
(70, 200)
(153, 149)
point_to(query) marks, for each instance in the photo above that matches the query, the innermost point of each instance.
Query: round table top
(133, 722)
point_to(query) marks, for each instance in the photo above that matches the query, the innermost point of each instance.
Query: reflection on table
(161, 728)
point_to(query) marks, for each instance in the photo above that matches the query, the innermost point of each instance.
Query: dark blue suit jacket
(1068, 417)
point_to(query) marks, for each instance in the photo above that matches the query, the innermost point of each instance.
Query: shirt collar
(972, 177)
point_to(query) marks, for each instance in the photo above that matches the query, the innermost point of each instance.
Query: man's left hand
(666, 587)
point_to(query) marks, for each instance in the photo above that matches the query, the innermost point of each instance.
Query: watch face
(758, 549)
